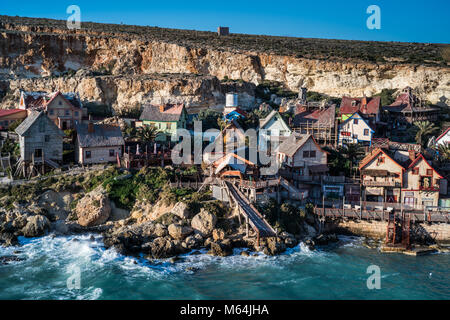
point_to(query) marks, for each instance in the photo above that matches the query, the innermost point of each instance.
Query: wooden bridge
(252, 215)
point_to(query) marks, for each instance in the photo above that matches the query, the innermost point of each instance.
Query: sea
(79, 267)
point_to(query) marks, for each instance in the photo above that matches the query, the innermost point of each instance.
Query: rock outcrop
(93, 209)
(204, 223)
(179, 232)
(36, 226)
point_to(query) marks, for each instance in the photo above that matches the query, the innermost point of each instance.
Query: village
(351, 158)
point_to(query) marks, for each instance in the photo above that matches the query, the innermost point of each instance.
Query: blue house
(355, 130)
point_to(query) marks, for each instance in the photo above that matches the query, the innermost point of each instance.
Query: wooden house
(64, 109)
(40, 139)
(355, 130)
(408, 108)
(368, 108)
(421, 184)
(166, 118)
(381, 177)
(320, 122)
(303, 156)
(272, 131)
(98, 143)
(444, 138)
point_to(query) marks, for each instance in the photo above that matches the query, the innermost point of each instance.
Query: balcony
(370, 183)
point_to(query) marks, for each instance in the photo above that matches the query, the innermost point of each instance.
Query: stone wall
(440, 232)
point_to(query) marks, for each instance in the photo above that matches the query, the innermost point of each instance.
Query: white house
(303, 156)
(272, 131)
(355, 130)
(444, 138)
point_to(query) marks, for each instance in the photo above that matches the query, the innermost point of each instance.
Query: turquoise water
(335, 272)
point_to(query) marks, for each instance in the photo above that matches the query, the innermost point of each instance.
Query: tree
(444, 152)
(147, 133)
(424, 129)
(221, 123)
(208, 118)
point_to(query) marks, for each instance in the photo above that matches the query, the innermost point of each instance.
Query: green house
(166, 118)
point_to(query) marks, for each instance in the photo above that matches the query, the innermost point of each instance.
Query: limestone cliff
(131, 68)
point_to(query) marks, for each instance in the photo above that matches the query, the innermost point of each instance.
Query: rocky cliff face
(138, 70)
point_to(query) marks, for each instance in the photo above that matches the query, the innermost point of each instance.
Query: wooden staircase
(398, 230)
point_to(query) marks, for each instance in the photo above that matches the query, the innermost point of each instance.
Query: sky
(400, 20)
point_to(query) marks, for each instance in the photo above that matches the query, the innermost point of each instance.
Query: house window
(312, 154)
(429, 172)
(47, 138)
(87, 154)
(355, 121)
(67, 113)
(111, 152)
(415, 171)
(76, 113)
(381, 159)
(305, 154)
(366, 132)
(51, 112)
(60, 103)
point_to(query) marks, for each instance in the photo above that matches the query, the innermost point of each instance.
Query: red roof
(7, 112)
(364, 105)
(420, 156)
(372, 155)
(322, 116)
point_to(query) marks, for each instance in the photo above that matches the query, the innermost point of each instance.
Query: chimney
(161, 108)
(364, 101)
(90, 127)
(412, 155)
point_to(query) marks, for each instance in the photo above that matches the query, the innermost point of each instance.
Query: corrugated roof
(325, 117)
(351, 105)
(292, 144)
(103, 136)
(153, 113)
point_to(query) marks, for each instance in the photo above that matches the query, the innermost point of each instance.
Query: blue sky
(412, 21)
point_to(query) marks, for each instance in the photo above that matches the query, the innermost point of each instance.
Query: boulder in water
(36, 226)
(221, 249)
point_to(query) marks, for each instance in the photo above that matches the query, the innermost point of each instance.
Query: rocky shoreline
(157, 231)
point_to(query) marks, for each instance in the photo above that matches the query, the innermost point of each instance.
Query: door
(37, 153)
